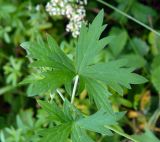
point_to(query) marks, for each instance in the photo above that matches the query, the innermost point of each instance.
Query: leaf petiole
(74, 88)
(60, 94)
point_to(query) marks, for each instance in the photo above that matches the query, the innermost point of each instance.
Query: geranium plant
(56, 70)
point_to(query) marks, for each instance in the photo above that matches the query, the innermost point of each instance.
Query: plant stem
(121, 133)
(74, 88)
(52, 96)
(129, 17)
(60, 94)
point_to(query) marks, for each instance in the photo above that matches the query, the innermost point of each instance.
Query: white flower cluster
(73, 9)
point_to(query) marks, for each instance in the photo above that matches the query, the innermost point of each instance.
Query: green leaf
(139, 46)
(123, 4)
(97, 121)
(89, 42)
(120, 131)
(59, 70)
(56, 68)
(58, 55)
(55, 112)
(79, 134)
(56, 134)
(2, 137)
(48, 56)
(119, 41)
(114, 74)
(99, 93)
(72, 119)
(71, 112)
(7, 8)
(135, 61)
(5, 89)
(148, 136)
(156, 62)
(154, 41)
(142, 12)
(50, 81)
(20, 122)
(155, 76)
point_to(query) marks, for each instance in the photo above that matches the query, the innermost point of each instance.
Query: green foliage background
(20, 115)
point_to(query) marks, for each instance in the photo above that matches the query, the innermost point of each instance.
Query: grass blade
(129, 17)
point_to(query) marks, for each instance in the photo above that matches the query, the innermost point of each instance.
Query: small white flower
(75, 12)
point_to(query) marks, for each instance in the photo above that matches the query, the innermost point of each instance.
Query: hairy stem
(74, 88)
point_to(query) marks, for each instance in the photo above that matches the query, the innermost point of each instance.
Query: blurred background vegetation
(20, 21)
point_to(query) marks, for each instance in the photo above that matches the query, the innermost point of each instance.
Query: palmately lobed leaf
(53, 110)
(99, 93)
(114, 74)
(89, 43)
(56, 134)
(49, 55)
(97, 121)
(55, 67)
(75, 123)
(79, 134)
